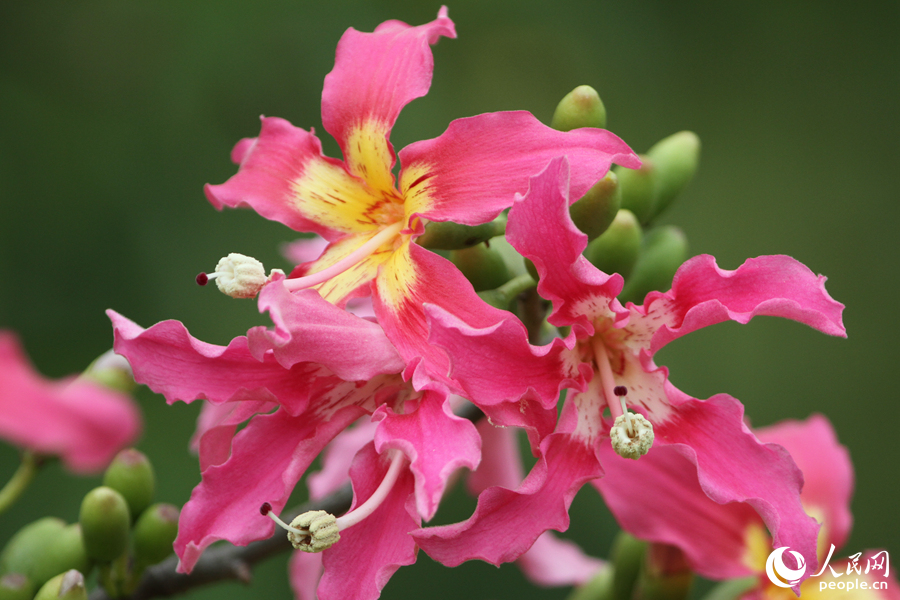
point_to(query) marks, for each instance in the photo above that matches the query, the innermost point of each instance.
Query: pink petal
(369, 553)
(304, 249)
(734, 466)
(703, 294)
(375, 75)
(541, 229)
(83, 422)
(507, 522)
(501, 463)
(284, 177)
(309, 329)
(305, 571)
(474, 169)
(216, 426)
(338, 457)
(669, 506)
(436, 442)
(827, 470)
(268, 458)
(180, 367)
(552, 561)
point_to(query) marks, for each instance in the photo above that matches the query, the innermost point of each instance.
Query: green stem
(18, 483)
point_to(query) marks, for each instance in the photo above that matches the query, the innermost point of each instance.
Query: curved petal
(305, 571)
(375, 75)
(216, 426)
(552, 561)
(827, 471)
(436, 442)
(507, 522)
(369, 553)
(541, 229)
(474, 169)
(734, 466)
(276, 449)
(308, 329)
(338, 457)
(702, 294)
(83, 422)
(285, 177)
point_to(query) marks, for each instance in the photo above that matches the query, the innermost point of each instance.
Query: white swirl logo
(777, 571)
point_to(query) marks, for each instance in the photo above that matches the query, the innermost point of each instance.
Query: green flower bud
(627, 558)
(581, 107)
(595, 211)
(676, 158)
(105, 522)
(732, 589)
(66, 586)
(26, 551)
(154, 533)
(638, 188)
(598, 588)
(131, 474)
(65, 553)
(484, 267)
(15, 586)
(664, 250)
(112, 371)
(665, 574)
(453, 236)
(618, 248)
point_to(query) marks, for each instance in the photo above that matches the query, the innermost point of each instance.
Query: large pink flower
(298, 386)
(83, 422)
(467, 175)
(610, 349)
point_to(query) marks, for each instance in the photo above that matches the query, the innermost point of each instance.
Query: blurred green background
(113, 114)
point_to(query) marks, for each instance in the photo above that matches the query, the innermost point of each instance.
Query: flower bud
(131, 474)
(618, 248)
(65, 586)
(676, 158)
(732, 589)
(105, 522)
(627, 557)
(638, 188)
(598, 588)
(665, 574)
(664, 250)
(154, 534)
(15, 586)
(43, 549)
(453, 236)
(581, 107)
(595, 211)
(484, 267)
(112, 371)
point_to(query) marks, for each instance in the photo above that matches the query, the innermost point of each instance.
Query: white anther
(239, 276)
(318, 530)
(631, 435)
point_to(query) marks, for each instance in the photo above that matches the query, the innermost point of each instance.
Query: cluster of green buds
(617, 214)
(119, 532)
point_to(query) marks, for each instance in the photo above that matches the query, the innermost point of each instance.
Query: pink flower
(467, 175)
(82, 422)
(722, 541)
(297, 387)
(610, 351)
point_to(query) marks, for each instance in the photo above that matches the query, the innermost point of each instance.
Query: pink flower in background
(81, 421)
(608, 360)
(467, 175)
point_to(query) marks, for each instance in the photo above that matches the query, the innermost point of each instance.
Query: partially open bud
(676, 158)
(639, 188)
(66, 586)
(581, 107)
(105, 523)
(663, 250)
(631, 435)
(595, 211)
(453, 236)
(484, 267)
(618, 248)
(43, 549)
(154, 534)
(15, 586)
(131, 474)
(113, 371)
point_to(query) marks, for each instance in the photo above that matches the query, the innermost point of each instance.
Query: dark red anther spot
(202, 279)
(620, 390)
(265, 509)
